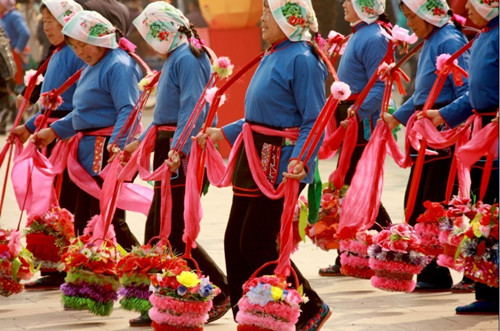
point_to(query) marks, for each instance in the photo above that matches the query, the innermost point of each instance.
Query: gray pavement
(355, 304)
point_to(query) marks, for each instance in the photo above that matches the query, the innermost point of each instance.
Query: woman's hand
(215, 134)
(391, 121)
(19, 101)
(173, 161)
(295, 170)
(433, 115)
(21, 132)
(128, 150)
(114, 151)
(44, 137)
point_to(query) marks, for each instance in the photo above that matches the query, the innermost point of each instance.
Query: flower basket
(395, 257)
(48, 235)
(427, 228)
(268, 303)
(134, 271)
(354, 255)
(181, 298)
(16, 263)
(91, 282)
(480, 246)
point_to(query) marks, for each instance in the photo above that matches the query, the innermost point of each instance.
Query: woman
(62, 65)
(430, 20)
(483, 98)
(105, 95)
(184, 75)
(286, 93)
(365, 50)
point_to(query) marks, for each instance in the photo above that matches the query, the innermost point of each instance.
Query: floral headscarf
(159, 25)
(296, 18)
(8, 4)
(434, 12)
(488, 9)
(368, 10)
(62, 10)
(92, 28)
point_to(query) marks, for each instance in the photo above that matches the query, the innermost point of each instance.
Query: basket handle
(267, 264)
(162, 240)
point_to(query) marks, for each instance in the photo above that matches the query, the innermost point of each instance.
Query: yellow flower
(188, 279)
(277, 293)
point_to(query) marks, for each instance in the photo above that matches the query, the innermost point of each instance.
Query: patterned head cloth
(296, 18)
(159, 25)
(92, 28)
(62, 10)
(8, 4)
(488, 9)
(368, 10)
(434, 12)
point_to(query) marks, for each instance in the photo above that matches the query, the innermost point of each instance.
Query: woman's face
(52, 28)
(421, 28)
(271, 31)
(475, 16)
(349, 13)
(89, 54)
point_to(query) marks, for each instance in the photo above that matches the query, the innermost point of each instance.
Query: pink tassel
(127, 45)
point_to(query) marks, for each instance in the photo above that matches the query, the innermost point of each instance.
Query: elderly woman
(184, 75)
(105, 95)
(482, 96)
(430, 20)
(365, 50)
(286, 93)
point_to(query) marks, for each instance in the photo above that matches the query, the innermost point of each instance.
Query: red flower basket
(354, 255)
(481, 271)
(427, 228)
(268, 303)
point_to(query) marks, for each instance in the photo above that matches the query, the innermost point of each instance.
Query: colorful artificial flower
(29, 74)
(223, 67)
(428, 228)
(146, 81)
(333, 41)
(354, 256)
(340, 91)
(210, 94)
(16, 263)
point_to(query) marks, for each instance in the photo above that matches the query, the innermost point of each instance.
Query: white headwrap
(296, 18)
(488, 9)
(92, 28)
(434, 12)
(159, 25)
(62, 10)
(368, 10)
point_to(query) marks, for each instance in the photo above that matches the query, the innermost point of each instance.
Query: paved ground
(356, 305)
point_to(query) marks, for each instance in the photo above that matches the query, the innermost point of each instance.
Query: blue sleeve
(371, 61)
(23, 33)
(309, 91)
(123, 85)
(232, 131)
(64, 127)
(193, 77)
(458, 111)
(451, 46)
(404, 112)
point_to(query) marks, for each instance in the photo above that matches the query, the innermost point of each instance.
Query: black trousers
(250, 241)
(153, 223)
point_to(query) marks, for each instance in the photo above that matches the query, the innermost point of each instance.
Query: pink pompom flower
(441, 60)
(210, 94)
(340, 91)
(223, 67)
(30, 73)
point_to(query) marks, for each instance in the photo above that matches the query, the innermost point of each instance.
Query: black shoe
(423, 287)
(481, 307)
(218, 311)
(331, 271)
(140, 321)
(45, 283)
(317, 321)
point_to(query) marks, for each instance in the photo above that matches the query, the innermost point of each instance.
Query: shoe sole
(324, 320)
(478, 313)
(145, 325)
(41, 288)
(431, 290)
(331, 274)
(463, 291)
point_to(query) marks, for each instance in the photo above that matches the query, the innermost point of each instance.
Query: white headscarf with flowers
(434, 12)
(368, 10)
(8, 4)
(296, 18)
(159, 25)
(62, 10)
(488, 9)
(91, 28)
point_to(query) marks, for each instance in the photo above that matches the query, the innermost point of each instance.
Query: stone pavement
(355, 304)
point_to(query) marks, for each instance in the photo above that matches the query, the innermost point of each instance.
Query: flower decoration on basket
(354, 255)
(135, 271)
(395, 257)
(428, 228)
(181, 298)
(322, 233)
(16, 263)
(480, 246)
(269, 303)
(48, 235)
(452, 228)
(91, 282)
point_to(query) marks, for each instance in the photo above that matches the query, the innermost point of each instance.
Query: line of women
(286, 94)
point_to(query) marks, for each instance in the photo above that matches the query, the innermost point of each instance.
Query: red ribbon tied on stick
(387, 72)
(445, 66)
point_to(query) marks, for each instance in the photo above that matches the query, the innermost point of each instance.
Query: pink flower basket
(395, 257)
(268, 303)
(354, 255)
(427, 228)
